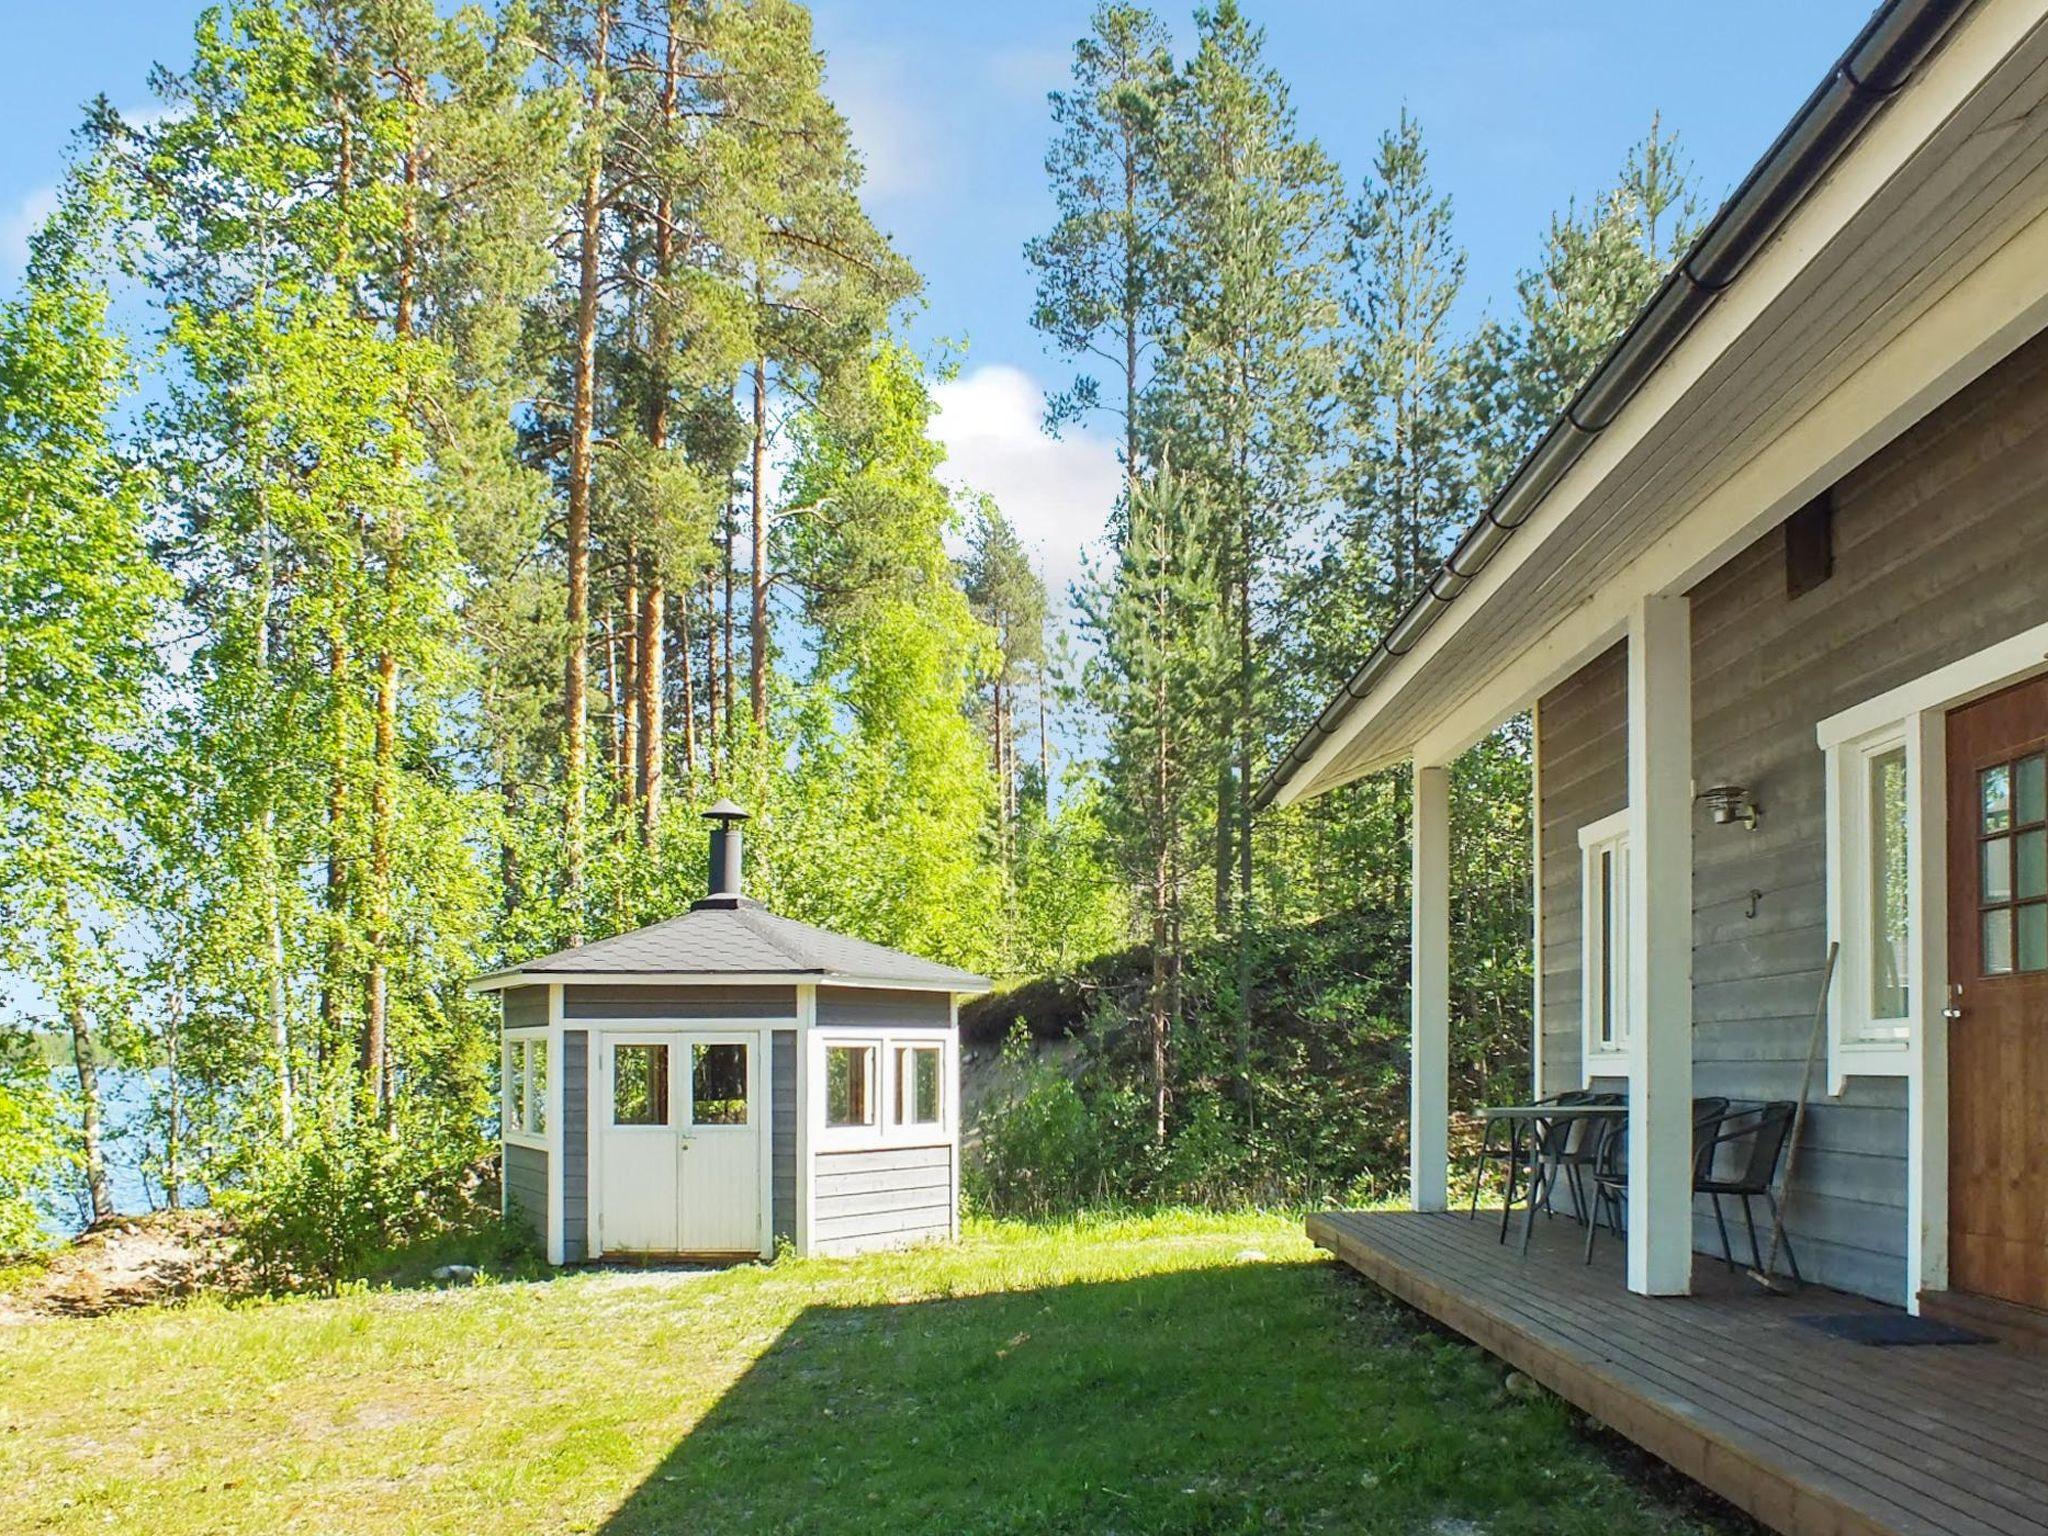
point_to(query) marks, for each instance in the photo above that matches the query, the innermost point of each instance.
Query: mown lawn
(1173, 1374)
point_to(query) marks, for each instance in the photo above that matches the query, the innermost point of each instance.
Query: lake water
(125, 1094)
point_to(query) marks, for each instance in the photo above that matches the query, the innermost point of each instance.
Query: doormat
(1887, 1330)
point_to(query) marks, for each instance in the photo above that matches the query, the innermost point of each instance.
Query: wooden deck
(1812, 1435)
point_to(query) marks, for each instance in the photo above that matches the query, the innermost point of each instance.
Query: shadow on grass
(1251, 1397)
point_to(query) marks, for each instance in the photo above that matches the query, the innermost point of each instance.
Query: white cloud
(1058, 492)
(25, 219)
(874, 87)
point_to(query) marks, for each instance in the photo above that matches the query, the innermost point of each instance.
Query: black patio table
(1536, 1120)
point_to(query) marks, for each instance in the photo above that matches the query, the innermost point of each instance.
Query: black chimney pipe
(725, 819)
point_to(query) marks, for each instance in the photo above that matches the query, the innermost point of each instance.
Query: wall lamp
(1731, 803)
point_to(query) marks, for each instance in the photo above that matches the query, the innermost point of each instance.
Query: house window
(849, 1085)
(2012, 862)
(524, 1107)
(1604, 855)
(917, 1084)
(1873, 831)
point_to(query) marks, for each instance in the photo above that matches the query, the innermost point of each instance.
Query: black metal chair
(1509, 1155)
(1579, 1150)
(1741, 1158)
(1610, 1165)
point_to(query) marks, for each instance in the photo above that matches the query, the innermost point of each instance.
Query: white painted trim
(1927, 1060)
(1536, 902)
(1980, 319)
(499, 980)
(1660, 946)
(1608, 834)
(953, 1108)
(1429, 1008)
(808, 1109)
(557, 1161)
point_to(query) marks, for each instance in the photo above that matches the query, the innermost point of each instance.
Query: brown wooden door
(1998, 956)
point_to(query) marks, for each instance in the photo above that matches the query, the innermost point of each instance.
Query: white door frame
(760, 1036)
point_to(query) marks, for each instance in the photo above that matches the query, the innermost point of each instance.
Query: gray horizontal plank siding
(575, 1145)
(526, 1188)
(622, 1000)
(1582, 735)
(880, 1007)
(881, 1199)
(1938, 540)
(782, 1117)
(525, 1007)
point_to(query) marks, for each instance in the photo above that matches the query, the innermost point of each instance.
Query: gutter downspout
(1876, 66)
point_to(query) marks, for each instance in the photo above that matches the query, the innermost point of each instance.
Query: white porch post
(1660, 945)
(1429, 1015)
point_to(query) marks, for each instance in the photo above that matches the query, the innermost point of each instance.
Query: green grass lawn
(1171, 1374)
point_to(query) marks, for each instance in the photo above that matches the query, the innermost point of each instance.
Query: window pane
(849, 1084)
(1998, 942)
(515, 1084)
(2030, 791)
(1994, 789)
(718, 1085)
(927, 1085)
(1996, 857)
(639, 1085)
(537, 1086)
(1608, 957)
(2031, 876)
(1888, 936)
(902, 1084)
(2033, 924)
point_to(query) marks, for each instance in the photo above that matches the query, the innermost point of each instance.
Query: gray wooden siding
(1582, 734)
(526, 1187)
(525, 1007)
(622, 1000)
(575, 1145)
(876, 1007)
(882, 1199)
(782, 1153)
(1938, 554)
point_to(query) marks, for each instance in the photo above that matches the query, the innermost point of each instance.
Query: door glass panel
(1994, 791)
(2031, 878)
(1997, 860)
(639, 1085)
(1998, 942)
(2030, 790)
(2033, 925)
(718, 1084)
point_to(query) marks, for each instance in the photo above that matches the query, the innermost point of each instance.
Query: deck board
(1812, 1435)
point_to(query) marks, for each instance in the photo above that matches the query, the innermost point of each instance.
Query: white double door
(679, 1115)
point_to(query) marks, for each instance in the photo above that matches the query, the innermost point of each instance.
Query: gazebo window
(917, 1084)
(524, 1103)
(849, 1085)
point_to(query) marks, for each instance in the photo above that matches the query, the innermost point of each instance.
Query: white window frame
(529, 1129)
(1860, 1045)
(869, 1132)
(1604, 1058)
(902, 1121)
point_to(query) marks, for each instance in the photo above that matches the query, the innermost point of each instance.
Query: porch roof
(1891, 245)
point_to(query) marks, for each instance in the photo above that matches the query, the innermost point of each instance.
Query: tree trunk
(331, 981)
(711, 689)
(731, 697)
(757, 574)
(688, 681)
(582, 420)
(382, 816)
(72, 986)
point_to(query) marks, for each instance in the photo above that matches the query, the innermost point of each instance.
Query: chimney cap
(725, 811)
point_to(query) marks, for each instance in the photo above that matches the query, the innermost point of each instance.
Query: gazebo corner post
(1660, 945)
(1429, 1010)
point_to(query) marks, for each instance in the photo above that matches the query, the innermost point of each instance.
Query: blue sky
(1523, 106)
